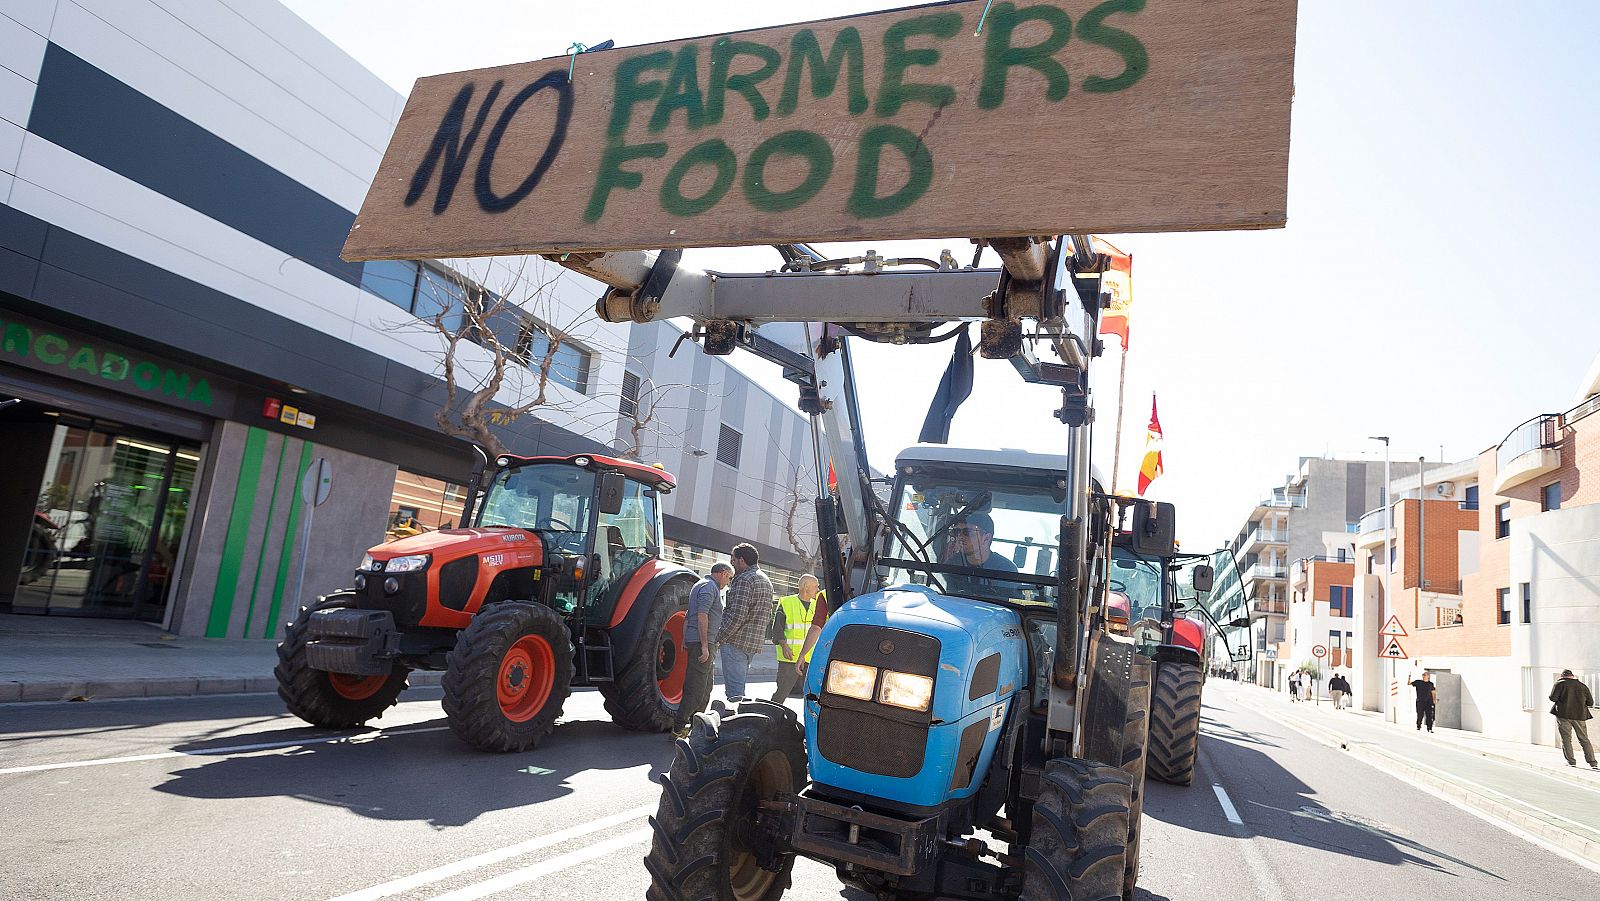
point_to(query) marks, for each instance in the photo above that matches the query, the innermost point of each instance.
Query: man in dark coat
(1572, 700)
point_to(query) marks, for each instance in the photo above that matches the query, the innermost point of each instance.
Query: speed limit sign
(1319, 652)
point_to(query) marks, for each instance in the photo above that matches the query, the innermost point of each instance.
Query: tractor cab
(597, 518)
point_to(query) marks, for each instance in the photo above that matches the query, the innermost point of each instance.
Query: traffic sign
(1319, 652)
(1393, 651)
(1393, 627)
(1272, 653)
(317, 482)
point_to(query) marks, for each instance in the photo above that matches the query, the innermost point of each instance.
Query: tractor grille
(871, 744)
(408, 604)
(456, 581)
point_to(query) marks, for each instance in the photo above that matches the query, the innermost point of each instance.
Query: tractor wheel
(1175, 722)
(648, 686)
(1079, 839)
(331, 700)
(508, 676)
(1135, 736)
(706, 829)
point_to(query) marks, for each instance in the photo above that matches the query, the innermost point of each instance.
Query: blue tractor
(975, 721)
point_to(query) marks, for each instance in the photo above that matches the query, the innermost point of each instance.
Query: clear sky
(1430, 286)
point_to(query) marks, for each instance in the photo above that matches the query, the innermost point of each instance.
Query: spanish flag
(1150, 468)
(1118, 283)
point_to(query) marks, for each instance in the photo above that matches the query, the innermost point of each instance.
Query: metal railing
(1266, 536)
(1538, 432)
(1285, 501)
(1265, 571)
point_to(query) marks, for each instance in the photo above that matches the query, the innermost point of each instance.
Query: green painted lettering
(895, 92)
(803, 144)
(175, 384)
(1135, 61)
(611, 175)
(999, 55)
(629, 91)
(146, 376)
(714, 152)
(50, 349)
(201, 394)
(723, 53)
(805, 50)
(83, 358)
(113, 367)
(864, 200)
(683, 91)
(17, 339)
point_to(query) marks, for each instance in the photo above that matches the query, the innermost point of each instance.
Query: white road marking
(547, 867)
(216, 752)
(489, 858)
(1228, 809)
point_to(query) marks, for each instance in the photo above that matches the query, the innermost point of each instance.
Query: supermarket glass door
(110, 518)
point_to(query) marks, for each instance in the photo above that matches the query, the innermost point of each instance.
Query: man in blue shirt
(971, 538)
(704, 617)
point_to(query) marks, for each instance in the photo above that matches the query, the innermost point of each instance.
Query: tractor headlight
(851, 680)
(906, 690)
(367, 563)
(406, 564)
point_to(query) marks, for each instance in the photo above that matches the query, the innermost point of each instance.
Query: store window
(108, 523)
(420, 504)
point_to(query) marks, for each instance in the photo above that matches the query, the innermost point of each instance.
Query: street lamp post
(1386, 693)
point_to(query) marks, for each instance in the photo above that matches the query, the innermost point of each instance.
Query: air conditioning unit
(1445, 489)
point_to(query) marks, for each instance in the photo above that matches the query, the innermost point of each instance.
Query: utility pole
(1386, 700)
(1422, 523)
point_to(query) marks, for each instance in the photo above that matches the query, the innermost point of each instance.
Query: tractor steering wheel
(550, 523)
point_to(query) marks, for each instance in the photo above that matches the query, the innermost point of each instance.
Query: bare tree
(796, 498)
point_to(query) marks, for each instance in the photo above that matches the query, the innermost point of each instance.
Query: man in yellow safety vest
(798, 613)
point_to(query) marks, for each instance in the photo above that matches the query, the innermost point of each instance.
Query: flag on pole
(1117, 281)
(1150, 469)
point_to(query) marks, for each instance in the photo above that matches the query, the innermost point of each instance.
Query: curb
(1505, 815)
(93, 690)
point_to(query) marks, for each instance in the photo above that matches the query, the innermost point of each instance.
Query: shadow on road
(405, 773)
(1277, 806)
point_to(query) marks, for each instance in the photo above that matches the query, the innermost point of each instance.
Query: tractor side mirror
(1202, 576)
(613, 485)
(1155, 530)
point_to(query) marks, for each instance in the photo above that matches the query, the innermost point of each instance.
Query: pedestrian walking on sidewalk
(703, 620)
(1427, 697)
(1338, 688)
(745, 620)
(1294, 687)
(799, 621)
(1572, 701)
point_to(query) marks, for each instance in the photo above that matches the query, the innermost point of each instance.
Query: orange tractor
(557, 583)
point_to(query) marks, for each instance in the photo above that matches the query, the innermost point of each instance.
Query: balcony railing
(1540, 431)
(1371, 521)
(1266, 536)
(1265, 571)
(1268, 608)
(1285, 501)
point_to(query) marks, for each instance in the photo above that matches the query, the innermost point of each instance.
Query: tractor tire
(330, 700)
(1175, 722)
(731, 761)
(648, 686)
(1135, 742)
(1079, 839)
(508, 677)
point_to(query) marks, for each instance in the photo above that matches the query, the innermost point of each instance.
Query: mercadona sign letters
(1110, 116)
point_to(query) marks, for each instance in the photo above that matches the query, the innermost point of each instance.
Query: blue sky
(1432, 284)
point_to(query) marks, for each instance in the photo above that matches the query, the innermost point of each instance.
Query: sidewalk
(1524, 786)
(54, 659)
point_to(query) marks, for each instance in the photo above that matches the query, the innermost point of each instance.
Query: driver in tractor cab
(971, 545)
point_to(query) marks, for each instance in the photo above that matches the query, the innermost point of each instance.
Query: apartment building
(1493, 567)
(1313, 514)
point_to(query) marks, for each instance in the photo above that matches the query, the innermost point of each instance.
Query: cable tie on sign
(981, 18)
(573, 50)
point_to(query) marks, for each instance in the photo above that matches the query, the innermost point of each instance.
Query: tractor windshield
(989, 535)
(1137, 583)
(552, 498)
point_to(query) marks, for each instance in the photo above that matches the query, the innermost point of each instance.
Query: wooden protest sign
(1061, 116)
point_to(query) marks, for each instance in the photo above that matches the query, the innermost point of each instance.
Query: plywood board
(1063, 116)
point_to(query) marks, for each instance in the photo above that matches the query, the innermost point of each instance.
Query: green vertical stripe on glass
(291, 534)
(244, 506)
(266, 531)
